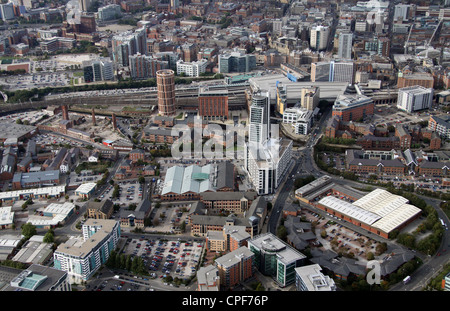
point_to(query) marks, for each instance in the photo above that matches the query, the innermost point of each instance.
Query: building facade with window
(82, 257)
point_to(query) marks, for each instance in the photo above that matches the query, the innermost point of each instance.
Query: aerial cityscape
(224, 146)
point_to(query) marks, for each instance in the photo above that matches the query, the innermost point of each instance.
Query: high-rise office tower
(259, 130)
(101, 69)
(333, 72)
(87, 24)
(345, 45)
(319, 37)
(144, 66)
(7, 11)
(127, 44)
(165, 81)
(342, 72)
(85, 4)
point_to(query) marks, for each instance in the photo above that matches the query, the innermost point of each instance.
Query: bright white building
(192, 69)
(266, 156)
(311, 278)
(267, 163)
(6, 217)
(414, 98)
(301, 119)
(319, 37)
(109, 12)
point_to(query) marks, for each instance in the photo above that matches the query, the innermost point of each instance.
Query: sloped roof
(193, 178)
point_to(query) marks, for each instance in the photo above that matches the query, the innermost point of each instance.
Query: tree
(111, 262)
(406, 239)
(28, 230)
(49, 237)
(282, 232)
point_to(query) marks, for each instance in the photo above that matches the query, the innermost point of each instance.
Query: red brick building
(234, 202)
(213, 104)
(235, 267)
(353, 107)
(136, 155)
(403, 136)
(368, 142)
(159, 135)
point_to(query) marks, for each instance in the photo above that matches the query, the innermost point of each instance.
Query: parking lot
(130, 192)
(51, 139)
(169, 217)
(177, 258)
(340, 238)
(38, 80)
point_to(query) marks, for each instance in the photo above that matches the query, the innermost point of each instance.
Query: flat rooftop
(81, 248)
(13, 130)
(270, 243)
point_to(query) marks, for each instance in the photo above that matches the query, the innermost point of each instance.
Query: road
(69, 227)
(304, 164)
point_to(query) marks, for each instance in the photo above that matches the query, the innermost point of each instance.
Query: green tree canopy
(28, 230)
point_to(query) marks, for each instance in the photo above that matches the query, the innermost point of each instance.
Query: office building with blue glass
(82, 257)
(275, 258)
(236, 62)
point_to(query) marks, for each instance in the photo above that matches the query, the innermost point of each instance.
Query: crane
(427, 45)
(409, 35)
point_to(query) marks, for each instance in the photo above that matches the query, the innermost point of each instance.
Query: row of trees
(338, 140)
(135, 264)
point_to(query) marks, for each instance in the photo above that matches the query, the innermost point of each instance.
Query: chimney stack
(65, 112)
(93, 117)
(114, 121)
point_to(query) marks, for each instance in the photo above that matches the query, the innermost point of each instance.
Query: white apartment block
(415, 98)
(82, 257)
(319, 37)
(311, 278)
(402, 12)
(301, 119)
(267, 163)
(192, 69)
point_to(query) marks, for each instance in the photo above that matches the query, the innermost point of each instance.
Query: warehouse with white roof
(35, 193)
(379, 211)
(186, 183)
(52, 215)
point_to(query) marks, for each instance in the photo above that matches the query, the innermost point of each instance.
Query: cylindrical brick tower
(165, 81)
